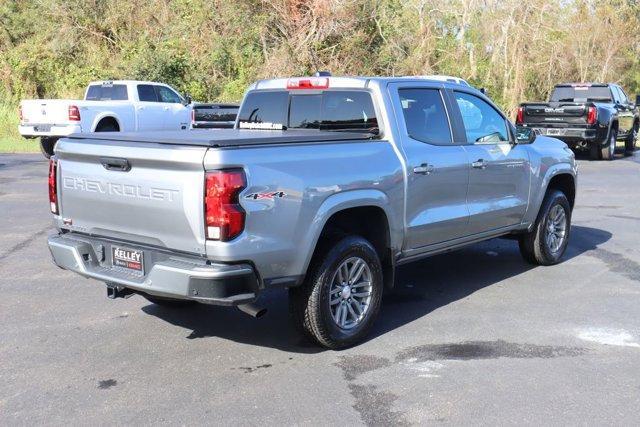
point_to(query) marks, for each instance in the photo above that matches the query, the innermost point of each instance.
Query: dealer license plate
(129, 259)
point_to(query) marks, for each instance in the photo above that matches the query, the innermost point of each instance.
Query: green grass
(10, 139)
(19, 145)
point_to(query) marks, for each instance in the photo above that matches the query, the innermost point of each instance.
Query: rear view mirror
(525, 135)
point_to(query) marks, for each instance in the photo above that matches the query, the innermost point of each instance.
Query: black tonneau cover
(227, 137)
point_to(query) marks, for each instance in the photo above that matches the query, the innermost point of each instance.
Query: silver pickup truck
(324, 186)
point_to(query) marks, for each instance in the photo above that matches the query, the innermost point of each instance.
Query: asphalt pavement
(476, 336)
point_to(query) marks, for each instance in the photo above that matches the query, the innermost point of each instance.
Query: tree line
(213, 49)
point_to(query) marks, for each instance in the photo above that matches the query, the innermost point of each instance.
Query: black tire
(608, 149)
(534, 246)
(594, 151)
(630, 141)
(310, 303)
(107, 126)
(47, 145)
(168, 302)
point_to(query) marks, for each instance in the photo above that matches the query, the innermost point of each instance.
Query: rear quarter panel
(91, 112)
(316, 181)
(607, 114)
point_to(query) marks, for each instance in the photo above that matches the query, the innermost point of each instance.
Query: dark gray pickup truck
(591, 116)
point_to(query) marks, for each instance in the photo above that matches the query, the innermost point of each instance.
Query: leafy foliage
(213, 49)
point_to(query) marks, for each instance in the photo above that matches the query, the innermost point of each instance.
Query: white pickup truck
(109, 106)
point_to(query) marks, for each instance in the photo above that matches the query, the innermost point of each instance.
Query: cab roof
(125, 82)
(354, 82)
(583, 84)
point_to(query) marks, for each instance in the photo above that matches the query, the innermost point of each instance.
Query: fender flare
(554, 170)
(613, 118)
(346, 200)
(105, 115)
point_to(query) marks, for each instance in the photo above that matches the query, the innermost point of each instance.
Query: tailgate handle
(115, 164)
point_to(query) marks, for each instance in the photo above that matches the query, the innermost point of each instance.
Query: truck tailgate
(45, 111)
(558, 114)
(139, 192)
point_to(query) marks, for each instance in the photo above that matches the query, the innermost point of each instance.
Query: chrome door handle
(424, 169)
(479, 164)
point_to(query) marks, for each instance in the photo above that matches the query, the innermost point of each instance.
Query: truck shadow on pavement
(421, 288)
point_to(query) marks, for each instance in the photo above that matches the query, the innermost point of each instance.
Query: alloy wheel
(556, 230)
(350, 293)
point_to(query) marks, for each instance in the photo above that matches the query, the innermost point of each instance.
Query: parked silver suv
(324, 187)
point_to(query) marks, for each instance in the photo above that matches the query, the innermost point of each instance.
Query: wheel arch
(566, 183)
(613, 125)
(360, 212)
(561, 176)
(105, 118)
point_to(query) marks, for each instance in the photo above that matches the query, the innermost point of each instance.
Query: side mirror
(187, 99)
(525, 135)
(483, 90)
(637, 99)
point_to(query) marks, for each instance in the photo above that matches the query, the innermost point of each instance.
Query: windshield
(333, 110)
(581, 94)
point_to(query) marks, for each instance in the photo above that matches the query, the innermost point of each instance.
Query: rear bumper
(568, 134)
(36, 130)
(167, 275)
(212, 125)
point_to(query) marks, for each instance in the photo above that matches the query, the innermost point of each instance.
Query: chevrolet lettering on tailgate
(125, 190)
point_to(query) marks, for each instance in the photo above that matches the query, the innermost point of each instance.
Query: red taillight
(308, 83)
(20, 113)
(53, 186)
(74, 113)
(592, 116)
(193, 116)
(224, 217)
(520, 116)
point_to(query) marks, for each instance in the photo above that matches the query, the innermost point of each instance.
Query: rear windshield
(581, 94)
(334, 110)
(107, 93)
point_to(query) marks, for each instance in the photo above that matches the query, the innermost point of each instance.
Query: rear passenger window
(620, 95)
(482, 123)
(146, 93)
(425, 115)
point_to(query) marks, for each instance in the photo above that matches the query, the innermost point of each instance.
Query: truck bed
(228, 137)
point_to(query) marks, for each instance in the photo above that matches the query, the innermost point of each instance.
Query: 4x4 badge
(266, 196)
